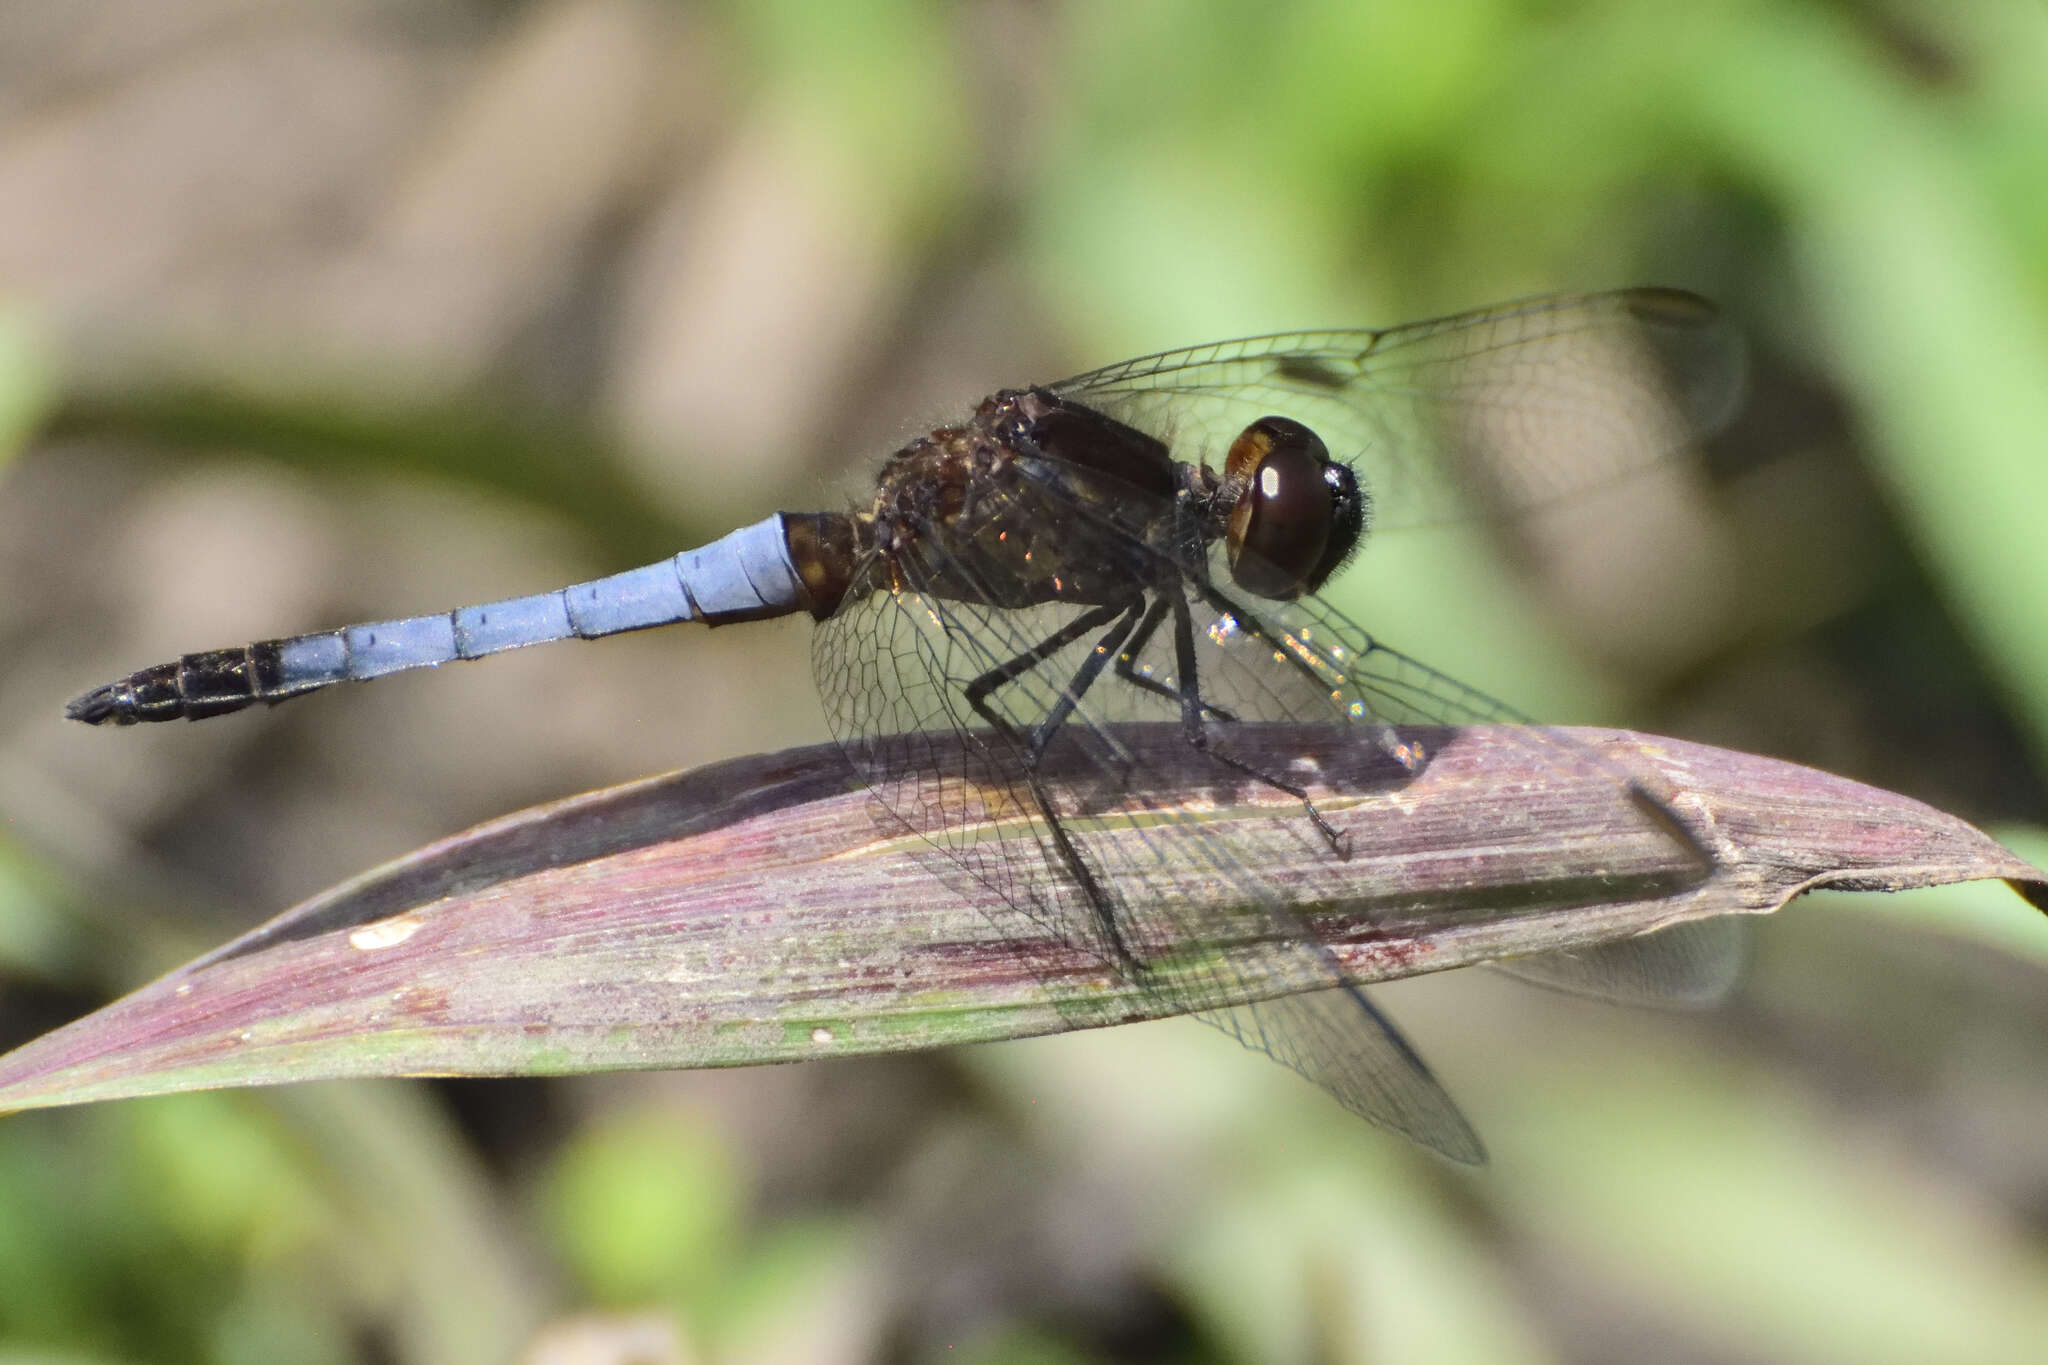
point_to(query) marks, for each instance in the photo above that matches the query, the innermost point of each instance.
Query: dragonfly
(1145, 543)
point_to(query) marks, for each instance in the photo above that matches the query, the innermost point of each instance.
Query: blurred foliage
(25, 382)
(179, 1213)
(645, 1209)
(1846, 1165)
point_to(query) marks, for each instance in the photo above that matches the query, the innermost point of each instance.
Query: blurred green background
(314, 311)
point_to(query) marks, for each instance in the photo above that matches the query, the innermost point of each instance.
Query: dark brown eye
(1298, 513)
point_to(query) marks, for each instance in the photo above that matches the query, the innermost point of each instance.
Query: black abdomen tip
(191, 688)
(114, 702)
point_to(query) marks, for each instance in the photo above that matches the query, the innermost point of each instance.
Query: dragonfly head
(1297, 515)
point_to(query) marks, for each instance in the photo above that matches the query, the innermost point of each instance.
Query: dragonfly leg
(1033, 746)
(1127, 658)
(1110, 646)
(1385, 735)
(978, 690)
(1197, 734)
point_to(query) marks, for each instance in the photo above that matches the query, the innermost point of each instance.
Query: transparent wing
(1687, 965)
(1193, 907)
(1346, 1044)
(1501, 410)
(1089, 876)
(1000, 734)
(1695, 964)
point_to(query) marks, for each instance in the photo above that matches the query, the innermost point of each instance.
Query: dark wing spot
(1669, 307)
(1311, 372)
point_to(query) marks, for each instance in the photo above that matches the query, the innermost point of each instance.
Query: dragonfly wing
(1502, 410)
(1167, 896)
(1687, 965)
(1346, 1044)
(1693, 965)
(989, 722)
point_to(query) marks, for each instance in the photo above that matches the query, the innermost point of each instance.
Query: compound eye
(1287, 507)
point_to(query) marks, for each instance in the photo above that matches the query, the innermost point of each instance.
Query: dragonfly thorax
(1033, 500)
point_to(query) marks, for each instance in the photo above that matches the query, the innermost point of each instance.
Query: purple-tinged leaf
(766, 910)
